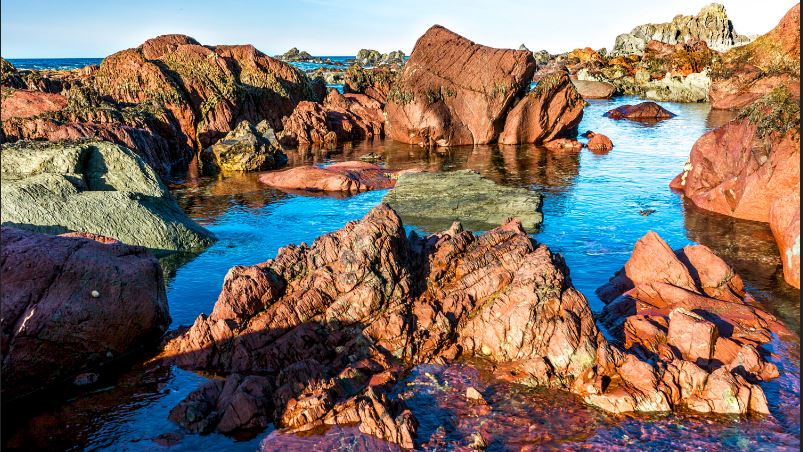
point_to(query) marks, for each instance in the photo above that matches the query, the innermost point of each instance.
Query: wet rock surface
(72, 305)
(435, 200)
(96, 187)
(645, 112)
(347, 177)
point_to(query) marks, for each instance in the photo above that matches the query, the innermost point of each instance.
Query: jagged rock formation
(711, 25)
(246, 148)
(96, 187)
(368, 57)
(326, 328)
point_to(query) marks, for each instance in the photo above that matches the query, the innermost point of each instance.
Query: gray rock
(368, 57)
(96, 187)
(433, 201)
(711, 25)
(246, 148)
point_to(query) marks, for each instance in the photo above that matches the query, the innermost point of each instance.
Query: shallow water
(595, 208)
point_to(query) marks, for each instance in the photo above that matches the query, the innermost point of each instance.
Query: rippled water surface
(595, 208)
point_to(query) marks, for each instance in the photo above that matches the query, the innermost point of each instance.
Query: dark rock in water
(72, 305)
(368, 57)
(332, 325)
(295, 55)
(435, 200)
(645, 111)
(710, 25)
(646, 212)
(346, 177)
(95, 187)
(246, 148)
(452, 91)
(745, 74)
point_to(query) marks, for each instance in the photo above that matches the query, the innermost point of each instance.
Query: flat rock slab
(433, 201)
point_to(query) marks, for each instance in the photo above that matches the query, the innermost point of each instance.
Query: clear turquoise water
(592, 215)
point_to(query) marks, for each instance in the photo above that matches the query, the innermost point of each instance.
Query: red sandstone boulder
(563, 144)
(592, 89)
(71, 305)
(691, 301)
(751, 71)
(645, 111)
(348, 177)
(784, 219)
(553, 109)
(599, 143)
(733, 171)
(452, 91)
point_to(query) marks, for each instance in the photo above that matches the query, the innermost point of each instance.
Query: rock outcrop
(341, 118)
(745, 74)
(592, 89)
(246, 148)
(96, 187)
(374, 82)
(331, 325)
(369, 57)
(72, 305)
(452, 91)
(710, 25)
(345, 177)
(551, 110)
(645, 111)
(785, 224)
(436, 200)
(169, 98)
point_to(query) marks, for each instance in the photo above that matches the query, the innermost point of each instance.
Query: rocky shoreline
(325, 335)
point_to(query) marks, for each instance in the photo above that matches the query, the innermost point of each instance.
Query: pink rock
(348, 177)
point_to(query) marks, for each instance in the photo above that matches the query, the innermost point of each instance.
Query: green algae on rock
(96, 187)
(434, 200)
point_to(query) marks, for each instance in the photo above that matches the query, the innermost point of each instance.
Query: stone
(246, 148)
(348, 177)
(745, 74)
(784, 219)
(436, 200)
(599, 142)
(693, 336)
(563, 144)
(473, 394)
(295, 55)
(592, 89)
(452, 91)
(95, 187)
(551, 110)
(374, 82)
(644, 111)
(710, 25)
(53, 330)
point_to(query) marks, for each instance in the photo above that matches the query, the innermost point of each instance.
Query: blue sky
(93, 28)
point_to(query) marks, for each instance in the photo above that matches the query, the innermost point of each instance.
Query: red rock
(71, 305)
(692, 335)
(553, 109)
(751, 71)
(784, 219)
(734, 172)
(599, 142)
(88, 235)
(452, 91)
(352, 176)
(645, 111)
(563, 144)
(25, 104)
(591, 89)
(374, 82)
(584, 55)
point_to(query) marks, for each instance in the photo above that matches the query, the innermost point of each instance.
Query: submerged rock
(551, 110)
(747, 73)
(246, 148)
(435, 200)
(72, 305)
(645, 111)
(452, 91)
(96, 187)
(348, 177)
(710, 25)
(598, 142)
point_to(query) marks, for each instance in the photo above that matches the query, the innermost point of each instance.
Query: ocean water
(76, 63)
(595, 208)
